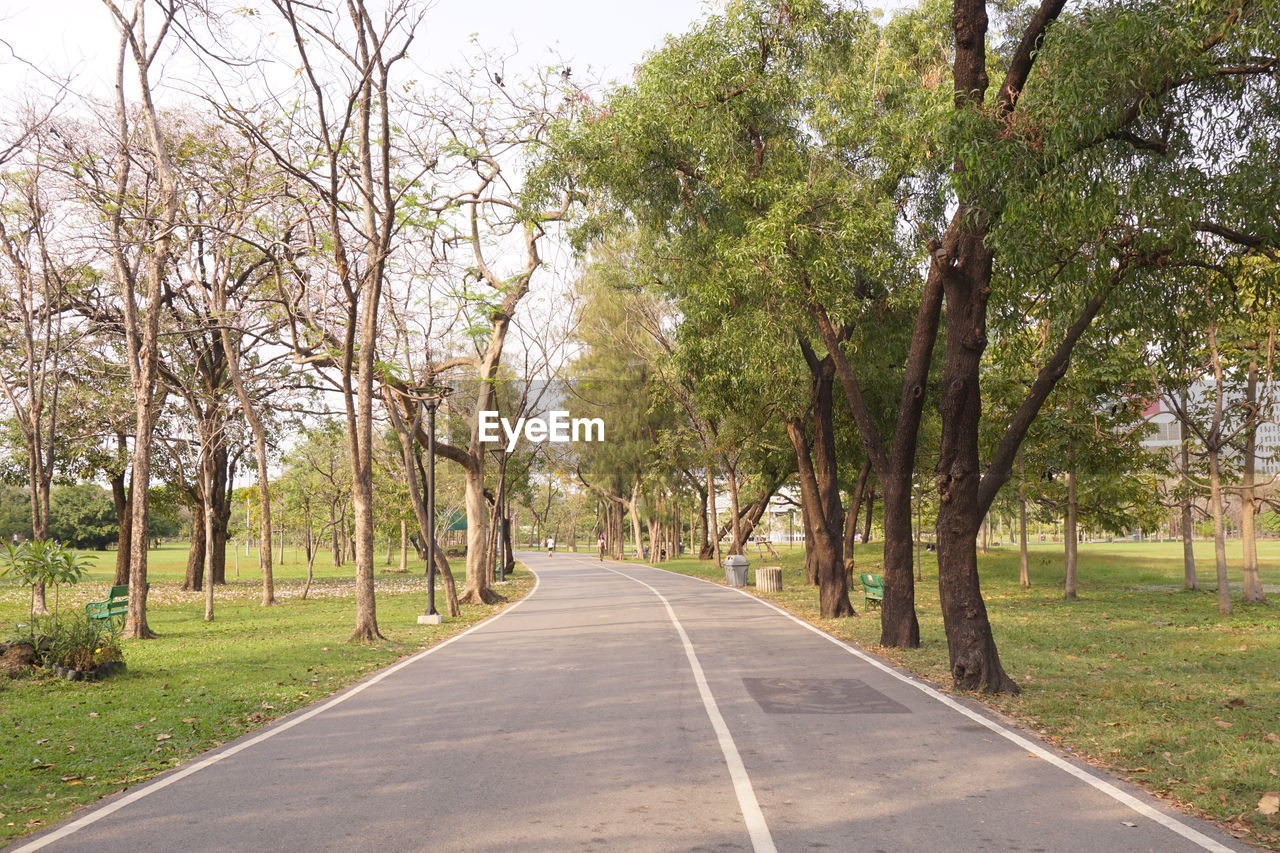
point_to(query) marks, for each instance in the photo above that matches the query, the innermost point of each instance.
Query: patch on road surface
(820, 696)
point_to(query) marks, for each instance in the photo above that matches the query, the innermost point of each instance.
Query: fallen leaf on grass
(1271, 737)
(163, 737)
(190, 719)
(1223, 724)
(1270, 803)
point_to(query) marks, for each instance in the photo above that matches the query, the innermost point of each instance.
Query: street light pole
(429, 397)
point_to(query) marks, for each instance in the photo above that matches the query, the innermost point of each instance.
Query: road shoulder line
(97, 813)
(1124, 797)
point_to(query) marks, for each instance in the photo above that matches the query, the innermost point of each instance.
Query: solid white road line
(761, 839)
(164, 782)
(1173, 824)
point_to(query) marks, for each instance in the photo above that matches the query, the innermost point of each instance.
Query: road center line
(148, 788)
(1116, 793)
(761, 839)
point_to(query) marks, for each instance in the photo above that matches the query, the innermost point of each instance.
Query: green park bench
(872, 588)
(112, 611)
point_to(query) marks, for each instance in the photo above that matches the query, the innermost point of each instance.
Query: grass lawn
(64, 744)
(1136, 675)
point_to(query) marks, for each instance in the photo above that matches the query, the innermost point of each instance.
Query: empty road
(620, 707)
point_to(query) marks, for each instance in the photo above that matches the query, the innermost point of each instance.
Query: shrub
(72, 640)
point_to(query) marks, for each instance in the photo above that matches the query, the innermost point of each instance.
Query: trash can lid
(735, 560)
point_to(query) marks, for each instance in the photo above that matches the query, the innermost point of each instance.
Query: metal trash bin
(735, 570)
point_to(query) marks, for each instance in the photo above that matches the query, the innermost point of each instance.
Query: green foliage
(83, 516)
(49, 562)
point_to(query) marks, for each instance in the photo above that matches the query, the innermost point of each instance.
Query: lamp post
(429, 398)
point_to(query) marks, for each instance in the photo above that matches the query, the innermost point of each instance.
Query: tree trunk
(827, 561)
(508, 554)
(810, 544)
(232, 358)
(221, 517)
(196, 552)
(1219, 533)
(705, 551)
(120, 498)
(851, 516)
(208, 464)
(975, 661)
(711, 511)
(1253, 593)
(633, 510)
(1189, 579)
(479, 566)
(404, 545)
(735, 517)
(871, 511)
(1213, 446)
(899, 625)
(1071, 539)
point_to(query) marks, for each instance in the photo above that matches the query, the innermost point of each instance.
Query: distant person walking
(600, 546)
(551, 545)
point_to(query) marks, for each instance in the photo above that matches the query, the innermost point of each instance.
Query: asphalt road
(620, 707)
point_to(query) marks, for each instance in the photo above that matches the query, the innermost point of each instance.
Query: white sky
(77, 36)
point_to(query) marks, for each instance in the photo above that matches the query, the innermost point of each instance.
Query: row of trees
(863, 251)
(197, 267)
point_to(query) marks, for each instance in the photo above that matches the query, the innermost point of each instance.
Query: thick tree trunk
(826, 559)
(1071, 539)
(221, 517)
(705, 551)
(120, 498)
(194, 579)
(479, 567)
(899, 625)
(975, 662)
(735, 515)
(820, 489)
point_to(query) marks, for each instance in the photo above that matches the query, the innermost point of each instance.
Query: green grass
(1135, 676)
(65, 744)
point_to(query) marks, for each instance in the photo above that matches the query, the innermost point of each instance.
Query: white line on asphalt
(761, 839)
(164, 782)
(1173, 824)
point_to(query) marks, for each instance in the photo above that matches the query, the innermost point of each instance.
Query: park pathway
(621, 707)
